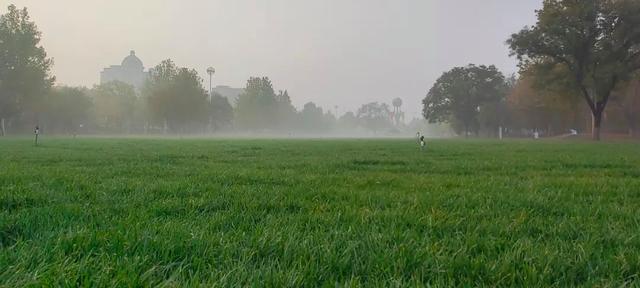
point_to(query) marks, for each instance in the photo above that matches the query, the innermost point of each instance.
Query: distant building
(131, 71)
(230, 93)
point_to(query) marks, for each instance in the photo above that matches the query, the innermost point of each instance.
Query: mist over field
(343, 53)
(298, 69)
(328, 53)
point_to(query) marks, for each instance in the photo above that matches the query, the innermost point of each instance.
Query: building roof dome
(132, 61)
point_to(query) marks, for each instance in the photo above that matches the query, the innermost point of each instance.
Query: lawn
(189, 212)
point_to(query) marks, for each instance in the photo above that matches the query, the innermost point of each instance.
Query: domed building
(131, 71)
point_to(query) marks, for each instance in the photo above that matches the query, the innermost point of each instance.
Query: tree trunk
(2, 132)
(597, 107)
(596, 124)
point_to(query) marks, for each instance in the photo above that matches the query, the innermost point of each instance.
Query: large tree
(534, 107)
(459, 94)
(313, 119)
(24, 67)
(495, 115)
(287, 115)
(375, 116)
(66, 110)
(257, 106)
(598, 41)
(115, 104)
(221, 111)
(158, 93)
(176, 97)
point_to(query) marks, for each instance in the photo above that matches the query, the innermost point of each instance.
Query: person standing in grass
(36, 132)
(421, 141)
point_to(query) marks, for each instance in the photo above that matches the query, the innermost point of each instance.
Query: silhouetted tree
(313, 120)
(221, 111)
(24, 68)
(257, 106)
(158, 92)
(458, 95)
(348, 121)
(329, 121)
(115, 104)
(375, 116)
(597, 41)
(495, 115)
(286, 114)
(536, 108)
(66, 108)
(176, 97)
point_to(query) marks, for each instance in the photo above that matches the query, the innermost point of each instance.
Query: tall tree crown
(24, 67)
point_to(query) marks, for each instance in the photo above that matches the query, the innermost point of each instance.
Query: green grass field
(145, 212)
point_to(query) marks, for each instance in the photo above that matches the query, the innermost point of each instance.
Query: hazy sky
(332, 52)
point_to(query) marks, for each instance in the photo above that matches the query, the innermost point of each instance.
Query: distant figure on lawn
(421, 140)
(36, 132)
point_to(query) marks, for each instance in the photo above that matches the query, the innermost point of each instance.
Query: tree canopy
(458, 95)
(176, 97)
(66, 109)
(221, 112)
(24, 67)
(286, 114)
(375, 116)
(312, 118)
(114, 106)
(598, 42)
(256, 108)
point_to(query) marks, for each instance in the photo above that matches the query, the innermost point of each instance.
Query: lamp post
(211, 71)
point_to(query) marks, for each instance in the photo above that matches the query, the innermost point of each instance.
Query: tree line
(172, 100)
(578, 73)
(578, 69)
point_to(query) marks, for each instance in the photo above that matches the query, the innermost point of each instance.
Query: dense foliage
(24, 69)
(597, 42)
(176, 98)
(459, 95)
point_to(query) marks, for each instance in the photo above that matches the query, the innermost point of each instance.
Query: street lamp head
(211, 70)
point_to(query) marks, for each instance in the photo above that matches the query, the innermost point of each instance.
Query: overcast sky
(332, 52)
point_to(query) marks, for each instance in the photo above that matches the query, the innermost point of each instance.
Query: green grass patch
(149, 212)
